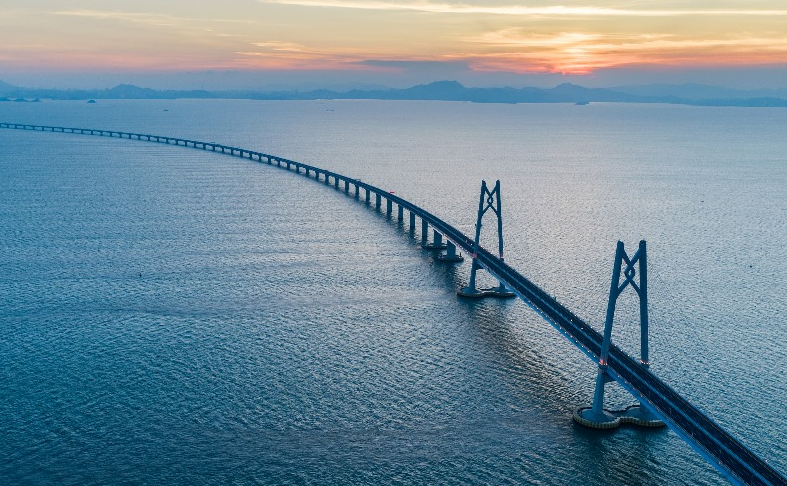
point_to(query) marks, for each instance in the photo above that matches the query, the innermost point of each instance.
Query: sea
(173, 316)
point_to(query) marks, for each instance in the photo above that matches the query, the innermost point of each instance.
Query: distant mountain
(697, 92)
(6, 89)
(687, 94)
(454, 91)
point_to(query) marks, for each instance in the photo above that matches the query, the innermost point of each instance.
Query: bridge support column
(388, 207)
(424, 233)
(400, 214)
(596, 416)
(357, 192)
(437, 242)
(412, 222)
(489, 200)
(368, 196)
(450, 254)
(377, 201)
(336, 182)
(347, 187)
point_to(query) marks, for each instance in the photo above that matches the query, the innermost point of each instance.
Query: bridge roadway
(739, 464)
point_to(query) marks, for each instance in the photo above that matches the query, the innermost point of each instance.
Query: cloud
(289, 55)
(581, 52)
(144, 18)
(556, 10)
(279, 46)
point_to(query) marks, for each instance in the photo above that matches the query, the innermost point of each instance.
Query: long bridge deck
(725, 452)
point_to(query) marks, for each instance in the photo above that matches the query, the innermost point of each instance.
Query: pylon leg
(471, 291)
(596, 417)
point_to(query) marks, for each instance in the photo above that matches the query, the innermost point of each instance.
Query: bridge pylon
(489, 200)
(596, 416)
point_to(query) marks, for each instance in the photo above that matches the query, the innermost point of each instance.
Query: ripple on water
(172, 316)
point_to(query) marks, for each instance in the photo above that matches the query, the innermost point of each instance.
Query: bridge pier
(489, 200)
(388, 207)
(347, 186)
(377, 201)
(437, 242)
(368, 195)
(412, 222)
(450, 254)
(400, 214)
(424, 232)
(597, 416)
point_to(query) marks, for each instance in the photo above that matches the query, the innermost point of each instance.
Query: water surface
(174, 316)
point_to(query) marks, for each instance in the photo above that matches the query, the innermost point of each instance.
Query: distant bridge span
(739, 464)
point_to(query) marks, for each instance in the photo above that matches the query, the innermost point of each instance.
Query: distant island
(687, 94)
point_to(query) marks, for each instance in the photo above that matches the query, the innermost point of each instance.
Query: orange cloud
(582, 53)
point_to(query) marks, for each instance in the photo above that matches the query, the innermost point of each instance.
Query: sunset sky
(489, 41)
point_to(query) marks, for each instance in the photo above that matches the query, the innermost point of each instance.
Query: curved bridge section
(730, 456)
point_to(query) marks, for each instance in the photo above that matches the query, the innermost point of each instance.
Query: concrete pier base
(641, 416)
(450, 255)
(604, 420)
(610, 419)
(437, 243)
(475, 293)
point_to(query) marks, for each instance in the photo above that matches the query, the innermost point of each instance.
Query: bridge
(659, 402)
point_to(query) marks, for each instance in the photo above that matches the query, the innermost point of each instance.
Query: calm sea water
(170, 316)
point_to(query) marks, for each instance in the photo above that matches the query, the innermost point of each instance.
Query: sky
(245, 44)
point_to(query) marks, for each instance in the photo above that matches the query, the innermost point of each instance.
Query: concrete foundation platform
(435, 246)
(610, 419)
(455, 258)
(641, 416)
(481, 293)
